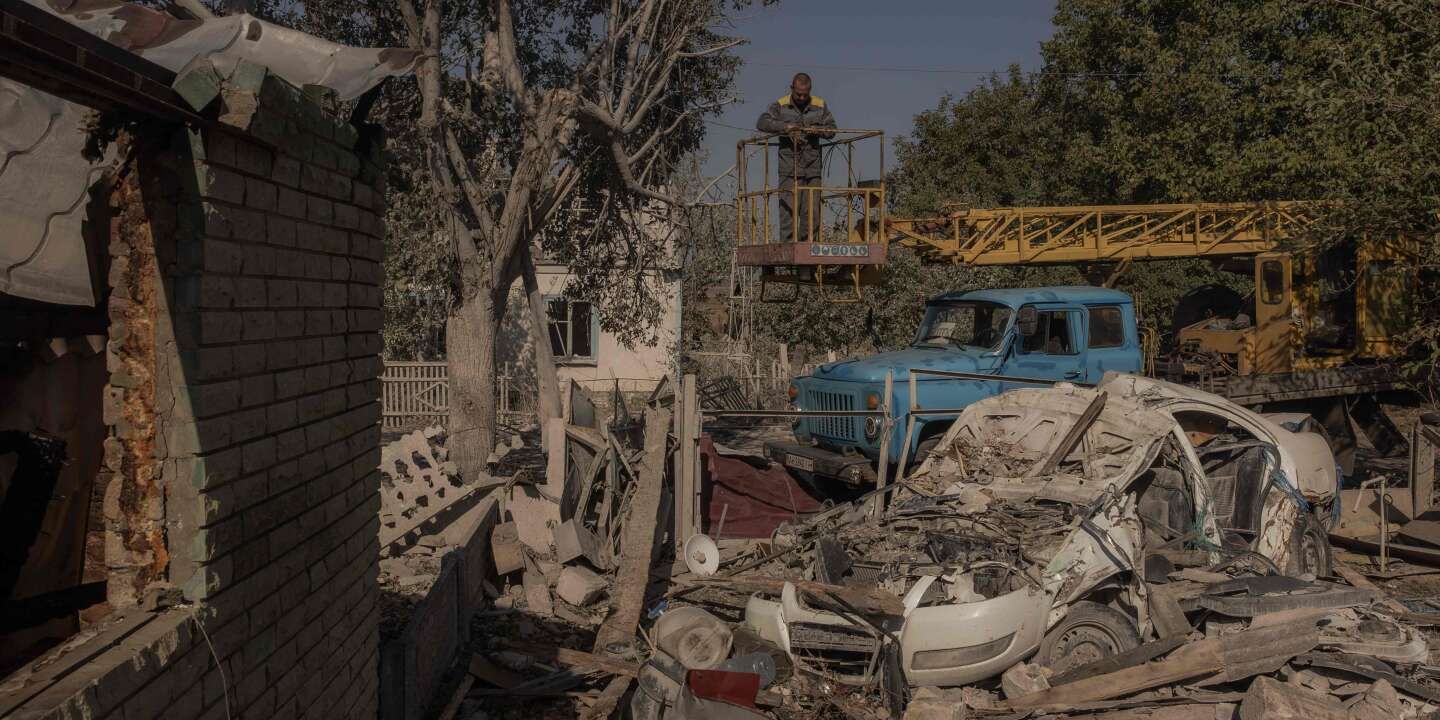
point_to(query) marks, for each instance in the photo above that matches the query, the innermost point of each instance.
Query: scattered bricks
(198, 85)
(580, 586)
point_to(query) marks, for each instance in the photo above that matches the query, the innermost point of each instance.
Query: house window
(573, 330)
(1107, 327)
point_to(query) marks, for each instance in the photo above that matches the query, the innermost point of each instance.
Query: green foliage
(1171, 101)
(612, 240)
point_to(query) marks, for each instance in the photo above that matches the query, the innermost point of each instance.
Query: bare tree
(520, 117)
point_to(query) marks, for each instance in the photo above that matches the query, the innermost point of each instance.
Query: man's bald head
(800, 89)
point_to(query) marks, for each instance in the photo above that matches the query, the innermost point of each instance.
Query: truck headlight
(793, 392)
(872, 401)
(872, 428)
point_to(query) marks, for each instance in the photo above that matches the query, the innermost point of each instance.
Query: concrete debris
(1061, 553)
(580, 586)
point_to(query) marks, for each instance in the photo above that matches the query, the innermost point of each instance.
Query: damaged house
(190, 275)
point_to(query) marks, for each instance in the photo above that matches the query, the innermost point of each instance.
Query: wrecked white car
(1033, 526)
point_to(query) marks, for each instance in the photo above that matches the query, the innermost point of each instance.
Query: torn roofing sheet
(173, 44)
(44, 185)
(44, 181)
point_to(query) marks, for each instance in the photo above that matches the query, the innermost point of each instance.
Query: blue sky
(972, 36)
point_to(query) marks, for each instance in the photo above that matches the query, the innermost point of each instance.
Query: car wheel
(1089, 632)
(1309, 548)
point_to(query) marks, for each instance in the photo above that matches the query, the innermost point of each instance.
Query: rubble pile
(417, 479)
(1067, 552)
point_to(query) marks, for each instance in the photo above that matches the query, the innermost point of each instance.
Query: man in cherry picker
(804, 119)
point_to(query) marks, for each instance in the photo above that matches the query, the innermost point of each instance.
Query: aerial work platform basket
(845, 245)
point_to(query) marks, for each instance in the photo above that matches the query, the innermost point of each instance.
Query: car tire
(1309, 548)
(1089, 632)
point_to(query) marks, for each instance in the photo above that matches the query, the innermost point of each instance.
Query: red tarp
(759, 500)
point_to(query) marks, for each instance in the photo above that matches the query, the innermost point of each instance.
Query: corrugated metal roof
(44, 180)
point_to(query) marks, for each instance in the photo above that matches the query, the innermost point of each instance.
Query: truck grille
(842, 428)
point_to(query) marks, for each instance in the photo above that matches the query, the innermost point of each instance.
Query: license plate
(799, 463)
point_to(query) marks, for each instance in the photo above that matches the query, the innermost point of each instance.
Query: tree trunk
(547, 376)
(470, 336)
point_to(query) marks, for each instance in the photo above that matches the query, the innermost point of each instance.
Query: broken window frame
(1046, 321)
(1116, 325)
(562, 331)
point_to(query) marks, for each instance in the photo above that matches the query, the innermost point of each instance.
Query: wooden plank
(576, 659)
(482, 668)
(1072, 437)
(637, 545)
(460, 692)
(1221, 659)
(1360, 581)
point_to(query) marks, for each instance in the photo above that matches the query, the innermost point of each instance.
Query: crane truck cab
(1053, 334)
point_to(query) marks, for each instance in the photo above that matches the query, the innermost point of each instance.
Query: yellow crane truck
(1321, 327)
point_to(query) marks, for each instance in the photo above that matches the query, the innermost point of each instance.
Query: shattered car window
(979, 325)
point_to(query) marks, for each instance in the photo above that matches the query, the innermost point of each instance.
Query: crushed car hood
(1003, 439)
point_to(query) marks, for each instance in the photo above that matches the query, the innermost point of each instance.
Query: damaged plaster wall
(243, 418)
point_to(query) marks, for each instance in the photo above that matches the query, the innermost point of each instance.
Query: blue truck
(1063, 334)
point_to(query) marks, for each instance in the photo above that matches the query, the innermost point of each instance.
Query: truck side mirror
(1028, 321)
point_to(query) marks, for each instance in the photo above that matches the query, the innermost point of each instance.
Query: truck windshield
(966, 324)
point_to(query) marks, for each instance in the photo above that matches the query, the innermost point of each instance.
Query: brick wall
(244, 417)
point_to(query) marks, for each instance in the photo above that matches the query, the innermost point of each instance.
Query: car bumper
(949, 644)
(851, 469)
